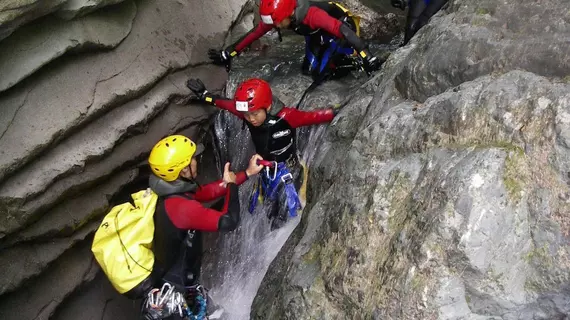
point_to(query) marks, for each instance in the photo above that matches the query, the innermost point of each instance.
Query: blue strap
(254, 196)
(268, 185)
(333, 49)
(293, 202)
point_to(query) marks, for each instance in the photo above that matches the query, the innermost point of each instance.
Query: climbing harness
(267, 186)
(167, 301)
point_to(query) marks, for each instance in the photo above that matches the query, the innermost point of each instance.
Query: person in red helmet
(273, 130)
(322, 24)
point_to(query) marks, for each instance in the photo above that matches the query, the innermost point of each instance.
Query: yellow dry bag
(123, 243)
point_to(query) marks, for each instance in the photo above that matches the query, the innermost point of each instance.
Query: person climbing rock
(272, 126)
(331, 36)
(180, 215)
(418, 15)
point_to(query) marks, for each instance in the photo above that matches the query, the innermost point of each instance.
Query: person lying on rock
(272, 126)
(419, 14)
(180, 215)
(331, 36)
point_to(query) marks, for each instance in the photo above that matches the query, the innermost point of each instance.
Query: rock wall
(87, 88)
(442, 190)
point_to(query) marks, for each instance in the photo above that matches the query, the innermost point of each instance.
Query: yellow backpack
(123, 243)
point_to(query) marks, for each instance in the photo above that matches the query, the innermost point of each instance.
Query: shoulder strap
(301, 10)
(276, 106)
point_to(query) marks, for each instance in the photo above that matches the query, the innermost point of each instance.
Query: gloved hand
(221, 57)
(198, 87)
(336, 108)
(400, 4)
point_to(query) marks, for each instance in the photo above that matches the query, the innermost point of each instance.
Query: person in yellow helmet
(180, 215)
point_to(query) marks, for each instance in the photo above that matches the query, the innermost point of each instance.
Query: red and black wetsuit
(275, 139)
(310, 18)
(179, 218)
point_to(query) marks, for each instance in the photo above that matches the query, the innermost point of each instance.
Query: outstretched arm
(199, 89)
(249, 38)
(216, 189)
(191, 215)
(297, 118)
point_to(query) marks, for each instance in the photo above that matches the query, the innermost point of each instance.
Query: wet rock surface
(441, 191)
(82, 102)
(38, 43)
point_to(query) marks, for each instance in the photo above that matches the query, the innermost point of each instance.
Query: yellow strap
(357, 22)
(363, 54)
(348, 13)
(345, 10)
(233, 53)
(208, 99)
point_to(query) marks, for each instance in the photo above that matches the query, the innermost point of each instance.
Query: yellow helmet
(170, 155)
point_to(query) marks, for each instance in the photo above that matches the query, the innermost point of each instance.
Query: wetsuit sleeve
(214, 190)
(297, 118)
(250, 37)
(224, 104)
(189, 214)
(318, 18)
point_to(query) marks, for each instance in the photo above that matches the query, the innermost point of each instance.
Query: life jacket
(275, 139)
(333, 9)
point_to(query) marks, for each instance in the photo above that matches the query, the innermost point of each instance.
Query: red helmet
(253, 94)
(274, 11)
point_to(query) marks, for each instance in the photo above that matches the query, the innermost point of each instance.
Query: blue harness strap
(332, 49)
(267, 186)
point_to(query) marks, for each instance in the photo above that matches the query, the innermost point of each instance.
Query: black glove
(221, 57)
(198, 87)
(369, 62)
(400, 4)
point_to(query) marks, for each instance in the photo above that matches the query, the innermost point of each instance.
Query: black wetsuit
(419, 14)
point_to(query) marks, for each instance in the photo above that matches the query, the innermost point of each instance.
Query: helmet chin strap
(191, 179)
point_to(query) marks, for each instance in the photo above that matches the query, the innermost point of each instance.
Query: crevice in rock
(16, 114)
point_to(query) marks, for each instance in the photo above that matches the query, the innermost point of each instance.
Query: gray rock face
(14, 13)
(82, 124)
(41, 296)
(376, 24)
(36, 44)
(442, 193)
(474, 39)
(75, 8)
(164, 37)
